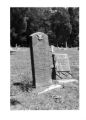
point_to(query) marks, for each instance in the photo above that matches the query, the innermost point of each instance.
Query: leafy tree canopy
(61, 25)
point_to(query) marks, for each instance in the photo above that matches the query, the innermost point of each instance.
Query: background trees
(74, 21)
(61, 25)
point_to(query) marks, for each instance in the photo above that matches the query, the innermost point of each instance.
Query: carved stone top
(39, 35)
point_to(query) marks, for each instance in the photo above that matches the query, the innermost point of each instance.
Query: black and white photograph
(44, 58)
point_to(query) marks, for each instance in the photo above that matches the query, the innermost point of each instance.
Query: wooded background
(60, 24)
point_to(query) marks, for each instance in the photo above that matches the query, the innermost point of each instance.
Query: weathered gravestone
(62, 66)
(42, 59)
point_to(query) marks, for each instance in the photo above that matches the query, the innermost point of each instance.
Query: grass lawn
(56, 99)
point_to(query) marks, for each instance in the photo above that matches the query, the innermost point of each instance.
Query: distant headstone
(62, 66)
(62, 62)
(42, 58)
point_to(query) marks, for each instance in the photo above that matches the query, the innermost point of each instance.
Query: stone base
(64, 81)
(44, 84)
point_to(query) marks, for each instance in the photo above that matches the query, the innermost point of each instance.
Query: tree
(60, 25)
(74, 20)
(17, 25)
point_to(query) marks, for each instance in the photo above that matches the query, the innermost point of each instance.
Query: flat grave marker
(62, 66)
(62, 62)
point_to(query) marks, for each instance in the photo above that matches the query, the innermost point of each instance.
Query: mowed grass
(57, 99)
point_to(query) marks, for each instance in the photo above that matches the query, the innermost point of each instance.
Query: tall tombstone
(42, 59)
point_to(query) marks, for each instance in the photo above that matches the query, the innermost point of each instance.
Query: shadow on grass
(24, 86)
(14, 102)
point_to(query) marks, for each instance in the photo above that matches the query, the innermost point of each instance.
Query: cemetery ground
(24, 98)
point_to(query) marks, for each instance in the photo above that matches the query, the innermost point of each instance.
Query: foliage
(60, 24)
(74, 20)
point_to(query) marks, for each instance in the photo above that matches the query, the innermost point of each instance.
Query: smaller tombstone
(52, 49)
(62, 66)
